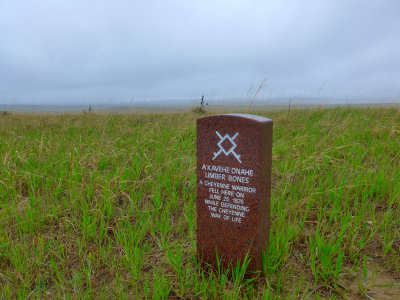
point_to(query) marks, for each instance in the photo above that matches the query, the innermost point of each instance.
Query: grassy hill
(103, 205)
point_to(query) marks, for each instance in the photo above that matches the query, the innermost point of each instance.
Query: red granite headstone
(234, 154)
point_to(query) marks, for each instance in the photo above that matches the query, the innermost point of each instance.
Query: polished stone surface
(234, 154)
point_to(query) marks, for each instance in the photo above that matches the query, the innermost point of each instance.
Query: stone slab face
(234, 154)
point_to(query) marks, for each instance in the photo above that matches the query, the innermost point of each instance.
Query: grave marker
(234, 154)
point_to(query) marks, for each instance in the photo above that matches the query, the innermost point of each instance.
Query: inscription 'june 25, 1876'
(233, 188)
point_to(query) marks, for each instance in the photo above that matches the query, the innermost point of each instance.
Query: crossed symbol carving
(231, 150)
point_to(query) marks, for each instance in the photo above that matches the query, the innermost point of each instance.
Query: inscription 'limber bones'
(217, 173)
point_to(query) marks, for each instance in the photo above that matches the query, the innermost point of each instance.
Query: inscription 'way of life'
(226, 201)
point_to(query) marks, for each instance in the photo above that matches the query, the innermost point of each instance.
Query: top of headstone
(246, 116)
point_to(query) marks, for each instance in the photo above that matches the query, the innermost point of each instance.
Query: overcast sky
(70, 51)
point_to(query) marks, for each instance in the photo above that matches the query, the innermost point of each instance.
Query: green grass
(100, 206)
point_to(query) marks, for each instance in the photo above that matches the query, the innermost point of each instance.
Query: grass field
(103, 206)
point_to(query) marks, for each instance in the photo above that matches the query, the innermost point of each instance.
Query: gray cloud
(74, 51)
